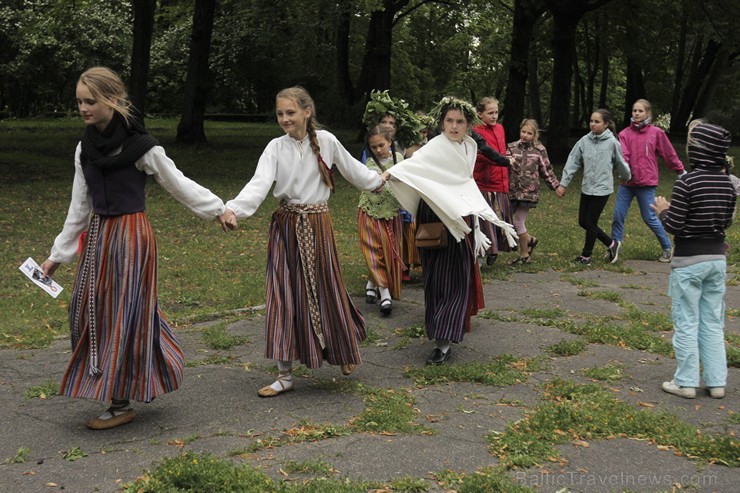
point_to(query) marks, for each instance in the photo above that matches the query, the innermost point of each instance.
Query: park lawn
(203, 272)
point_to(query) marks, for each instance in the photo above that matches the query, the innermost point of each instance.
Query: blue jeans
(645, 198)
(698, 314)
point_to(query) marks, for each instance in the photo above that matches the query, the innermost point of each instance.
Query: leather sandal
(118, 417)
(348, 369)
(268, 391)
(533, 241)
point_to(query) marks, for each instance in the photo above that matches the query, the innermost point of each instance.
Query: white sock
(443, 344)
(370, 285)
(284, 381)
(385, 293)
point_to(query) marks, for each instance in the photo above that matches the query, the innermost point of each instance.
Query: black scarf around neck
(132, 138)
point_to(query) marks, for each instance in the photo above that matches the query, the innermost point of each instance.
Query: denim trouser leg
(697, 309)
(645, 198)
(621, 207)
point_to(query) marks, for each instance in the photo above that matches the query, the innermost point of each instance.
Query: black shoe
(370, 296)
(386, 307)
(437, 357)
(491, 259)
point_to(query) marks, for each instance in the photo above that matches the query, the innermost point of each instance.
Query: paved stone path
(218, 410)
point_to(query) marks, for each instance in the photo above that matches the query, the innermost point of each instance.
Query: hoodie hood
(708, 145)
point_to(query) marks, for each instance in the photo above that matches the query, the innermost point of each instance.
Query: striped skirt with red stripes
(291, 335)
(410, 252)
(453, 290)
(122, 345)
(499, 202)
(380, 242)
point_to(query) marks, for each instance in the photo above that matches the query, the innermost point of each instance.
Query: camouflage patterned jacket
(524, 176)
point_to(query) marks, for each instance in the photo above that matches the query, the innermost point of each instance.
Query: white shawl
(441, 174)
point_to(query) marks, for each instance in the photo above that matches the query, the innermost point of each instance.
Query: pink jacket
(641, 149)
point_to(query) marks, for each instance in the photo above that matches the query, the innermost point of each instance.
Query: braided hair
(305, 102)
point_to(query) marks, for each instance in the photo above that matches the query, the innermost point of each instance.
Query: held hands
(560, 191)
(383, 179)
(227, 220)
(49, 268)
(660, 205)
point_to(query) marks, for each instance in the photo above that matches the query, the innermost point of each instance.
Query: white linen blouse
(201, 201)
(292, 165)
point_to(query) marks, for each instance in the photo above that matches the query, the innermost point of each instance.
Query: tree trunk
(604, 77)
(563, 42)
(190, 129)
(704, 98)
(566, 16)
(526, 14)
(535, 102)
(635, 88)
(140, 54)
(678, 80)
(344, 80)
(693, 86)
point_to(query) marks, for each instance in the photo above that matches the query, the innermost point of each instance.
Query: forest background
(553, 60)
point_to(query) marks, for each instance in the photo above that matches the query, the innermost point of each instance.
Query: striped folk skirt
(499, 202)
(453, 291)
(380, 242)
(410, 253)
(310, 316)
(122, 345)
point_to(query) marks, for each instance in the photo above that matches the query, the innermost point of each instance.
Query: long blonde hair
(304, 101)
(107, 87)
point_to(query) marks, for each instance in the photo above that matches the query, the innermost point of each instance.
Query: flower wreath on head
(450, 102)
(408, 123)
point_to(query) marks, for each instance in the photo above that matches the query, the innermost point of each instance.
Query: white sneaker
(666, 256)
(716, 392)
(675, 389)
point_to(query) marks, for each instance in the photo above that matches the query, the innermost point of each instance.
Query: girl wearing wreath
(436, 185)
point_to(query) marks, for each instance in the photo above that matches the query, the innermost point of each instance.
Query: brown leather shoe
(118, 417)
(348, 369)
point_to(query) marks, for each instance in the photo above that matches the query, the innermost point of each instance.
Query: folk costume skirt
(122, 345)
(310, 316)
(410, 253)
(380, 242)
(453, 291)
(499, 202)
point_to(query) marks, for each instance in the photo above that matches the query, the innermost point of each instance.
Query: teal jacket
(599, 156)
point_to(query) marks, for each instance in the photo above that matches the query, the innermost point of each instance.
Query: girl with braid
(381, 227)
(310, 316)
(122, 347)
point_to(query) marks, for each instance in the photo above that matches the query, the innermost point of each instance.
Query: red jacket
(488, 176)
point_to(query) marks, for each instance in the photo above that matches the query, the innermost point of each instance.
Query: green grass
(567, 348)
(502, 371)
(36, 165)
(44, 391)
(387, 411)
(20, 456)
(216, 337)
(578, 413)
(608, 373)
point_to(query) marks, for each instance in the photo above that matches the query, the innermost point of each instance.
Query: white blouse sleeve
(353, 170)
(201, 201)
(253, 194)
(64, 249)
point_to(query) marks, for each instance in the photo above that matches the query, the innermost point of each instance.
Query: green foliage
(387, 411)
(408, 123)
(607, 373)
(493, 479)
(567, 347)
(216, 337)
(73, 454)
(46, 390)
(502, 371)
(588, 412)
(20, 456)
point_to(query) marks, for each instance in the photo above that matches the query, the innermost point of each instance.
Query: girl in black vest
(123, 348)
